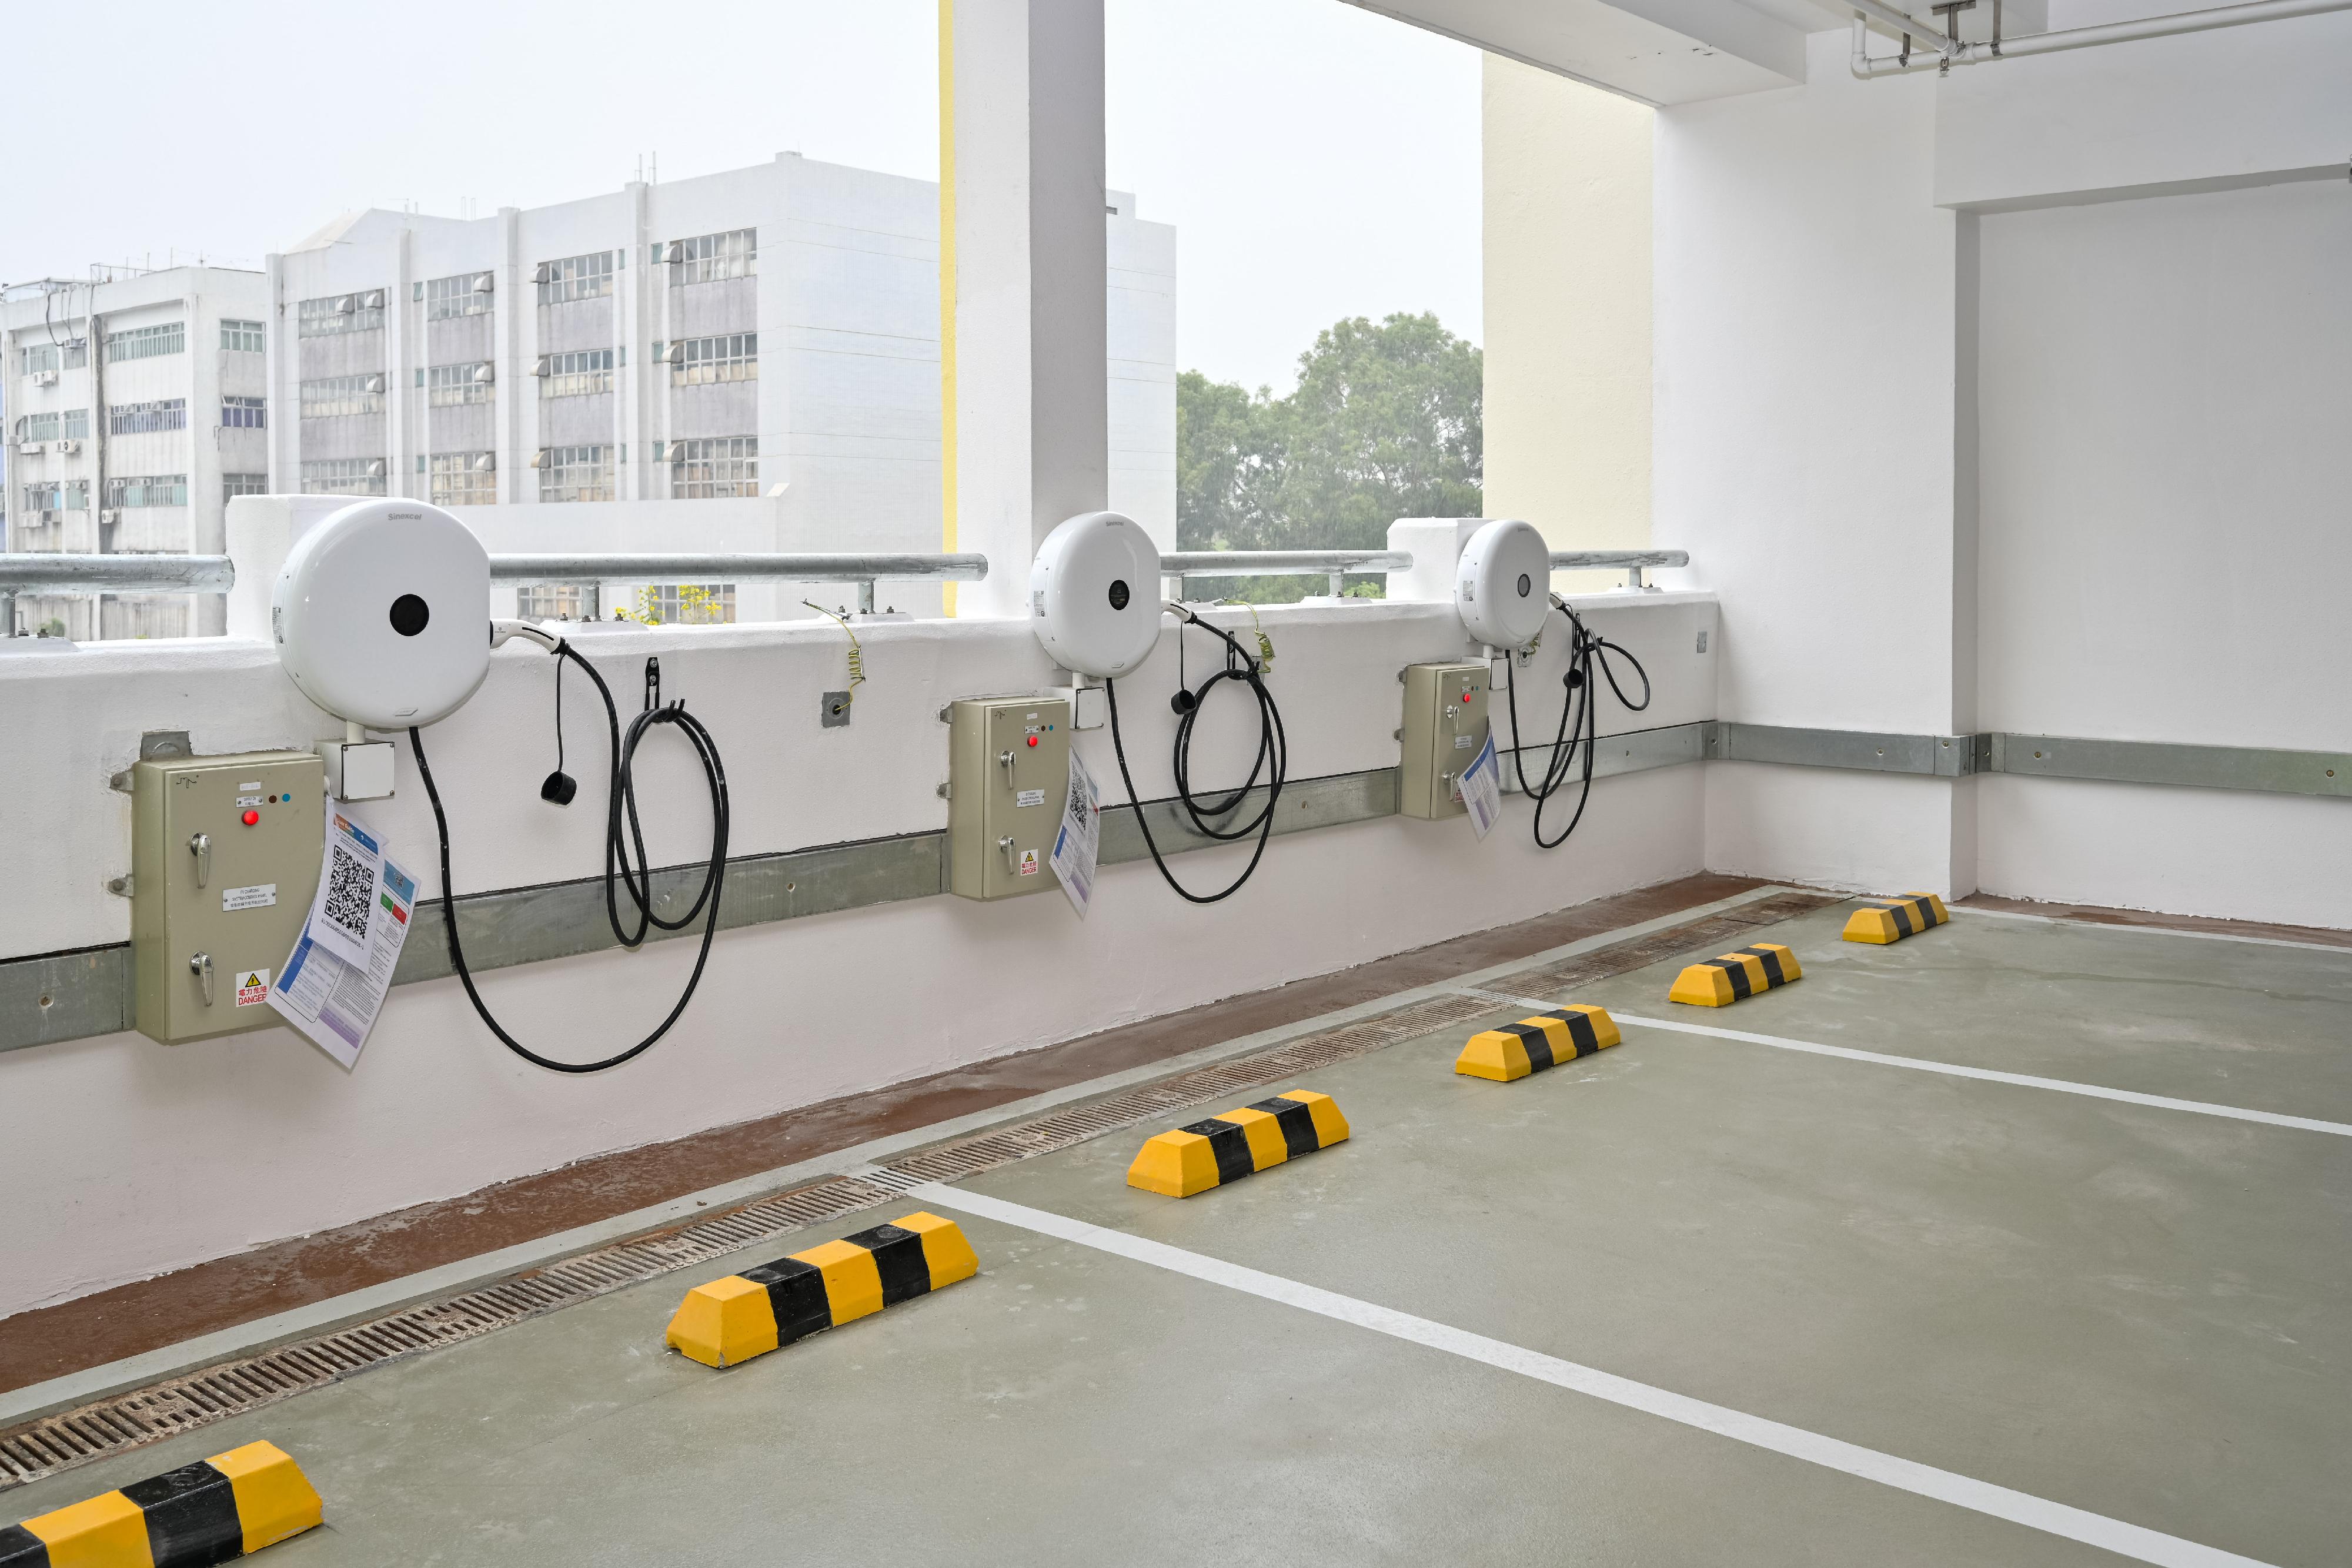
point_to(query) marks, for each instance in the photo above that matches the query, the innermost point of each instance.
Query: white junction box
(1008, 778)
(358, 769)
(1445, 725)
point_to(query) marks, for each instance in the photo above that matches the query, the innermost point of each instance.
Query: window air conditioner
(47, 519)
(375, 383)
(485, 373)
(110, 515)
(543, 273)
(68, 448)
(539, 458)
(375, 299)
(45, 378)
(544, 366)
(375, 468)
(485, 282)
(488, 462)
(674, 354)
(346, 303)
(31, 449)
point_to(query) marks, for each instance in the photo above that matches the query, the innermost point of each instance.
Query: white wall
(109, 1184)
(2009, 400)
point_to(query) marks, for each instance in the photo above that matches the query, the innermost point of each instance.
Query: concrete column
(516, 476)
(1025, 404)
(279, 415)
(402, 443)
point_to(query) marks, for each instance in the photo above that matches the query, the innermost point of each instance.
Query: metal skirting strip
(124, 1421)
(59, 997)
(2264, 770)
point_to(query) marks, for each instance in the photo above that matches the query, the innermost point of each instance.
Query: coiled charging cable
(635, 879)
(1272, 763)
(1580, 718)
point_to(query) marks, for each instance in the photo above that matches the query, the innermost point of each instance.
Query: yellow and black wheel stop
(1239, 1142)
(1884, 920)
(214, 1511)
(760, 1310)
(1719, 982)
(1546, 1040)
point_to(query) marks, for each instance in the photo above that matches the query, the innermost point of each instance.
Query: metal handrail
(60, 573)
(1629, 561)
(1334, 564)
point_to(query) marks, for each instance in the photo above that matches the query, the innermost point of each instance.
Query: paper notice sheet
(333, 1002)
(1482, 789)
(1080, 838)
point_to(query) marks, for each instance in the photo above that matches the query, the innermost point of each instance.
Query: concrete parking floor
(2130, 1310)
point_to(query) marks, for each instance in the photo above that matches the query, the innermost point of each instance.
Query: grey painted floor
(2133, 1311)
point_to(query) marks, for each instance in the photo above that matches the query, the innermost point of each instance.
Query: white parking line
(1962, 1491)
(2024, 1079)
(2152, 930)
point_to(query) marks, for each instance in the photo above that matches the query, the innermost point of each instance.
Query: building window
(241, 337)
(687, 604)
(576, 278)
(730, 357)
(449, 386)
(576, 375)
(335, 395)
(575, 474)
(58, 496)
(705, 257)
(148, 490)
(77, 424)
(551, 601)
(467, 294)
(236, 485)
(344, 476)
(68, 424)
(713, 466)
(141, 418)
(41, 357)
(147, 343)
(330, 315)
(463, 480)
(244, 413)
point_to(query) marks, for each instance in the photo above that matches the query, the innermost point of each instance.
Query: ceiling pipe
(1946, 54)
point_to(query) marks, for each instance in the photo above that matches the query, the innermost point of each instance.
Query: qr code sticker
(351, 889)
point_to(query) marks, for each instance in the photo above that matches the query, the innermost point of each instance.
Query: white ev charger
(1094, 601)
(382, 616)
(1502, 586)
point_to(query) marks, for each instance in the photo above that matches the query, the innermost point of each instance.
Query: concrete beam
(1658, 51)
(1027, 405)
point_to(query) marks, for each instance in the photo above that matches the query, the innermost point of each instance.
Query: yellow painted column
(1566, 176)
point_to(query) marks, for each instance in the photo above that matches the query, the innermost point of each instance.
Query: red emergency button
(251, 817)
(1032, 740)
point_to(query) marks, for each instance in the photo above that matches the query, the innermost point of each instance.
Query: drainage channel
(125, 1421)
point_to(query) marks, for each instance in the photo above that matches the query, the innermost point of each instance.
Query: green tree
(1385, 423)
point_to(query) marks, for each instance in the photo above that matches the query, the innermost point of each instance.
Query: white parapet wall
(127, 1158)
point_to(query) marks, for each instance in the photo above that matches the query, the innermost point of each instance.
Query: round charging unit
(1094, 594)
(1502, 584)
(381, 613)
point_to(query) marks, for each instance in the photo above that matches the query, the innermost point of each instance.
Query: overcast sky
(1319, 161)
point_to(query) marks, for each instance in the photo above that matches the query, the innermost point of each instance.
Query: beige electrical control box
(224, 861)
(1445, 727)
(1008, 776)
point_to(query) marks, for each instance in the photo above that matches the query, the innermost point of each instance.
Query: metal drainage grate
(125, 1421)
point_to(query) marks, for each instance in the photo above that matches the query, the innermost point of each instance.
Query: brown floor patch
(2094, 915)
(150, 1313)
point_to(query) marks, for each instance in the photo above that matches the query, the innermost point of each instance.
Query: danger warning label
(252, 987)
(1028, 862)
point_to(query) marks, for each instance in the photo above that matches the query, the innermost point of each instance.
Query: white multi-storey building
(135, 406)
(761, 343)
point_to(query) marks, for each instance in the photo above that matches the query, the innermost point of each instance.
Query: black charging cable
(637, 878)
(1580, 718)
(1272, 763)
